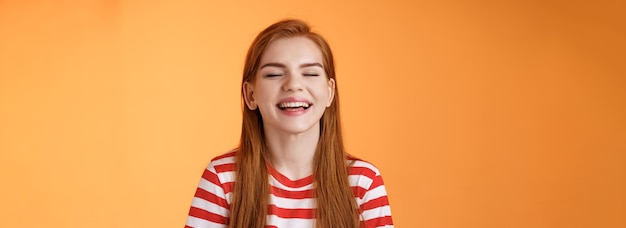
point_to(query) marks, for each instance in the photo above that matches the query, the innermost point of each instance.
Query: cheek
(263, 92)
(266, 99)
(322, 95)
(322, 89)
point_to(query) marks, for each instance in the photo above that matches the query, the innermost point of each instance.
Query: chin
(297, 129)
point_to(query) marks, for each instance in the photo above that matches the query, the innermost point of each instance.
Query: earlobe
(331, 91)
(248, 96)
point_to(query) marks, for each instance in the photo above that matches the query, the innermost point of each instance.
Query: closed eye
(311, 74)
(272, 75)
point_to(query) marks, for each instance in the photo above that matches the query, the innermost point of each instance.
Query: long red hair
(336, 205)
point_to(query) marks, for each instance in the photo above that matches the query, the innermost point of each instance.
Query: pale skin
(291, 74)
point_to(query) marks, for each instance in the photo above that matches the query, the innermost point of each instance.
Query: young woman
(291, 168)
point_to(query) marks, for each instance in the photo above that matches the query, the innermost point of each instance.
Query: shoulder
(230, 155)
(223, 163)
(362, 167)
(366, 180)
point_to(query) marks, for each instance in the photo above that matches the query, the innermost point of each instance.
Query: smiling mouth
(294, 106)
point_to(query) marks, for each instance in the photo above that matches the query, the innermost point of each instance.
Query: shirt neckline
(288, 182)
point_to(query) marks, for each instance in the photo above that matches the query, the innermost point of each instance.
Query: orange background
(482, 114)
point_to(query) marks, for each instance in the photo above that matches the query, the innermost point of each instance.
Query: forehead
(296, 50)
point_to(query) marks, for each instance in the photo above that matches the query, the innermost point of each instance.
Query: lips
(294, 104)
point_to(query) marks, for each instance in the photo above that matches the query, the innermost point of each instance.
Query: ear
(248, 95)
(331, 91)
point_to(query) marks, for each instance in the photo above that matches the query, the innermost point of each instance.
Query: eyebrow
(304, 65)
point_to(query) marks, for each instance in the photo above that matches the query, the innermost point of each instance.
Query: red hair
(336, 205)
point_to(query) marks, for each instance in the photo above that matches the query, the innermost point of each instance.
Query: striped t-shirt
(291, 203)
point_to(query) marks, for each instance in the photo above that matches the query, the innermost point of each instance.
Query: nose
(292, 82)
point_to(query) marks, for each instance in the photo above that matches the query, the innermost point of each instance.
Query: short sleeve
(373, 202)
(209, 207)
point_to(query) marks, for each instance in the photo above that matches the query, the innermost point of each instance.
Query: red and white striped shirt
(291, 203)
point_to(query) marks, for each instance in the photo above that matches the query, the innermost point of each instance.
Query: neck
(292, 154)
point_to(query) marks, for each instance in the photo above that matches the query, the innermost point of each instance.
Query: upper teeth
(293, 104)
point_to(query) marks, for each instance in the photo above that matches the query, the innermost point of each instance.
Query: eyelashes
(305, 74)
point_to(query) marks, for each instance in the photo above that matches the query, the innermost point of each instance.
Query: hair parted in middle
(335, 202)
